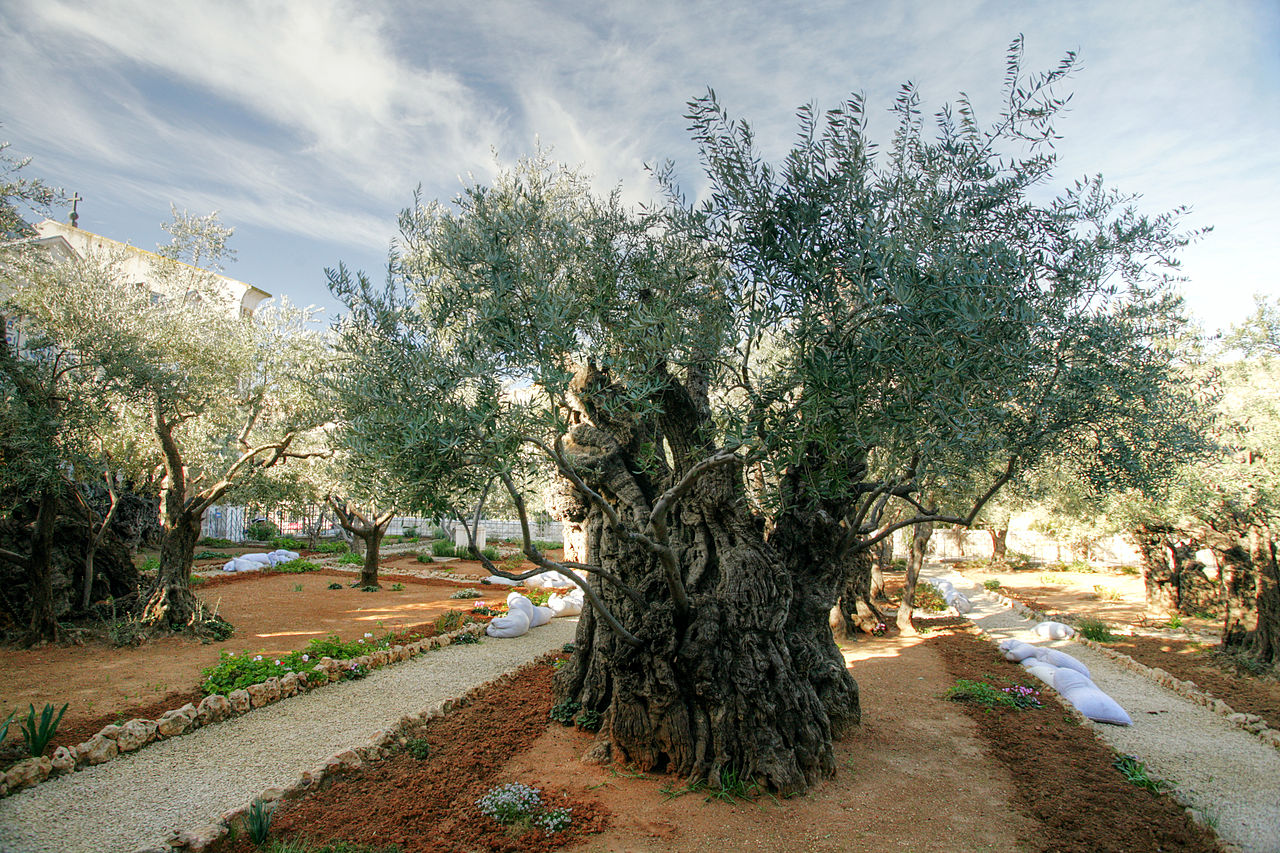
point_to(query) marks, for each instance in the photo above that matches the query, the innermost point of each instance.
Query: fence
(231, 522)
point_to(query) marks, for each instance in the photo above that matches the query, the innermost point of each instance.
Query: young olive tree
(738, 392)
(209, 398)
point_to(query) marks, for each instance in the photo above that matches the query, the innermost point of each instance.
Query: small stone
(347, 759)
(289, 684)
(257, 695)
(1220, 707)
(1238, 719)
(135, 734)
(1255, 728)
(239, 700)
(111, 731)
(64, 760)
(270, 795)
(96, 750)
(213, 708)
(175, 722)
(24, 774)
(200, 838)
(234, 817)
(599, 754)
(272, 688)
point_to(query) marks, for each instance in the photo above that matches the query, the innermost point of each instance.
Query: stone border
(379, 746)
(1251, 723)
(115, 740)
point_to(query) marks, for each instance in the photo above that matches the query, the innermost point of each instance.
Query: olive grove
(747, 394)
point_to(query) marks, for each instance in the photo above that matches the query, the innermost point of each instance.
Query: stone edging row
(1251, 723)
(115, 740)
(380, 745)
(1023, 610)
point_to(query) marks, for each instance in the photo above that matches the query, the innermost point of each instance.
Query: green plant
(467, 592)
(538, 596)
(397, 587)
(466, 639)
(335, 585)
(491, 552)
(262, 531)
(368, 588)
(303, 845)
(125, 632)
(568, 648)
(410, 532)
(564, 711)
(1175, 622)
(333, 547)
(451, 619)
(288, 543)
(991, 584)
(1135, 772)
(297, 587)
(1095, 629)
(150, 564)
(425, 558)
(517, 804)
(257, 821)
(590, 721)
(351, 559)
(543, 545)
(295, 567)
(4, 728)
(929, 599)
(981, 693)
(418, 747)
(443, 548)
(211, 555)
(1130, 570)
(37, 734)
(1105, 593)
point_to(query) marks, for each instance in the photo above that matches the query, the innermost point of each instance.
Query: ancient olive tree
(207, 397)
(739, 391)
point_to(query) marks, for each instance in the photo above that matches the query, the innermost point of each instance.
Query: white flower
(277, 663)
(367, 634)
(257, 657)
(306, 658)
(360, 640)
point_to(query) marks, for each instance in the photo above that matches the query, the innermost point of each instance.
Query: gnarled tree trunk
(171, 602)
(1251, 594)
(366, 530)
(999, 543)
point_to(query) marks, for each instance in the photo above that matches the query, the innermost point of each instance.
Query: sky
(309, 124)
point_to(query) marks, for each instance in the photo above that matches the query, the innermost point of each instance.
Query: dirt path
(1222, 771)
(134, 802)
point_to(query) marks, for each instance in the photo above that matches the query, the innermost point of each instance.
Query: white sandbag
(541, 616)
(941, 585)
(1051, 630)
(960, 603)
(239, 564)
(564, 605)
(1088, 699)
(1019, 651)
(494, 579)
(256, 558)
(517, 601)
(1006, 643)
(281, 555)
(514, 624)
(1041, 670)
(1062, 660)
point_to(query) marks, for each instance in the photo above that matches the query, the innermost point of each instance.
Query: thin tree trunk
(919, 544)
(96, 540)
(44, 617)
(372, 544)
(999, 543)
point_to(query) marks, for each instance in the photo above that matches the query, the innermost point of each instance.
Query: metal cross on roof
(75, 215)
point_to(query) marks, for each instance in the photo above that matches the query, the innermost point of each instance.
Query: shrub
(1105, 593)
(126, 632)
(568, 648)
(590, 721)
(443, 548)
(981, 693)
(150, 564)
(465, 594)
(397, 587)
(538, 596)
(517, 804)
(451, 620)
(492, 553)
(439, 533)
(295, 567)
(286, 542)
(351, 558)
(1094, 629)
(335, 585)
(410, 532)
(234, 672)
(37, 734)
(543, 545)
(425, 558)
(1136, 772)
(211, 555)
(333, 547)
(262, 531)
(564, 711)
(991, 584)
(4, 727)
(929, 599)
(368, 588)
(418, 747)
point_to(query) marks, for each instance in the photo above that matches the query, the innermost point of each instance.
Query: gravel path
(135, 801)
(1230, 776)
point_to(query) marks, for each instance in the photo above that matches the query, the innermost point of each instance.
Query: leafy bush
(590, 721)
(410, 532)
(302, 845)
(211, 555)
(333, 547)
(492, 553)
(564, 711)
(465, 594)
(1130, 570)
(150, 564)
(425, 558)
(258, 821)
(443, 548)
(397, 587)
(517, 804)
(295, 567)
(262, 531)
(929, 599)
(351, 558)
(538, 596)
(451, 620)
(1105, 593)
(568, 648)
(235, 672)
(466, 639)
(288, 543)
(368, 588)
(37, 734)
(991, 584)
(439, 533)
(126, 632)
(543, 545)
(335, 585)
(418, 747)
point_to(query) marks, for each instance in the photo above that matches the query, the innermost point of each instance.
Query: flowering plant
(518, 804)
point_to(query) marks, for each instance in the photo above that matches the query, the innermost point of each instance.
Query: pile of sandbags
(569, 604)
(255, 562)
(953, 597)
(522, 614)
(1051, 630)
(1069, 677)
(542, 580)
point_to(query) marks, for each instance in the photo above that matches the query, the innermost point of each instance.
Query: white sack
(1019, 651)
(514, 624)
(284, 556)
(494, 579)
(239, 564)
(517, 601)
(1088, 699)
(566, 605)
(1041, 670)
(256, 558)
(541, 616)
(1062, 660)
(960, 603)
(1054, 630)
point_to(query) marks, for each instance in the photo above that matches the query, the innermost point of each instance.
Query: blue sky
(308, 124)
